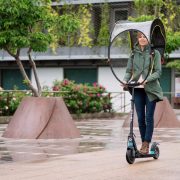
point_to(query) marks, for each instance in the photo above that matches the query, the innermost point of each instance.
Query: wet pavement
(96, 135)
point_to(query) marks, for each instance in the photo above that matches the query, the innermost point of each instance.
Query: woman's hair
(139, 34)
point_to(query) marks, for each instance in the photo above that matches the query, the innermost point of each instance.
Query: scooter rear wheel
(129, 156)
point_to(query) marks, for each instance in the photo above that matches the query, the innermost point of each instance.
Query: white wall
(107, 79)
(48, 75)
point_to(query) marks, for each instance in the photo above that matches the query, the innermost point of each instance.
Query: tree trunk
(23, 72)
(33, 65)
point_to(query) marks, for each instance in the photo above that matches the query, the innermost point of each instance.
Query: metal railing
(120, 101)
(12, 98)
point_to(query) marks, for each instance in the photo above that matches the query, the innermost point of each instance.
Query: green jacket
(140, 66)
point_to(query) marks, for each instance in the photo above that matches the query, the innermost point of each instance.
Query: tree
(31, 24)
(24, 24)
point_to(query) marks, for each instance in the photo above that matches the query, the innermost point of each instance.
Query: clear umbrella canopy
(153, 30)
(124, 37)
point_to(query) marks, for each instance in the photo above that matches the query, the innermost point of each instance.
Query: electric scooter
(132, 152)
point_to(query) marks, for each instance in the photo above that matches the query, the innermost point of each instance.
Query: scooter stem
(132, 114)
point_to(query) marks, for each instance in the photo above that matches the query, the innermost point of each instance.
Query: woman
(145, 96)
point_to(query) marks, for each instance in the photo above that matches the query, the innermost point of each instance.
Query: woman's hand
(144, 82)
(124, 85)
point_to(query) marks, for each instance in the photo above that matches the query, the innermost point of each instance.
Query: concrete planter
(41, 118)
(4, 119)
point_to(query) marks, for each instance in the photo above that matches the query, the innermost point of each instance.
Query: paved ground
(98, 155)
(100, 165)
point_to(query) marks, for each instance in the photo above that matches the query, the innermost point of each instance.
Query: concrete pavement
(74, 159)
(100, 165)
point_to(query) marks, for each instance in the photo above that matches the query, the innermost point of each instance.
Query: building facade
(82, 64)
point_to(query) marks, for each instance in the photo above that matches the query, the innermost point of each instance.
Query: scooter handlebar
(132, 84)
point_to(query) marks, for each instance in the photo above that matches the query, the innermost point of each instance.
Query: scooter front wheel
(130, 157)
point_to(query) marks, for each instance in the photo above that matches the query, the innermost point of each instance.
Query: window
(11, 78)
(81, 75)
(120, 14)
(166, 82)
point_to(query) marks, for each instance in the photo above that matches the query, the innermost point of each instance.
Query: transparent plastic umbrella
(123, 38)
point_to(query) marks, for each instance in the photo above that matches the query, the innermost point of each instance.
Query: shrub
(83, 98)
(79, 98)
(9, 101)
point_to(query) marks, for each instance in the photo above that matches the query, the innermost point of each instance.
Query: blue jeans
(145, 113)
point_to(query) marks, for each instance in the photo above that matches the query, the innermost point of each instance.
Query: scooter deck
(139, 155)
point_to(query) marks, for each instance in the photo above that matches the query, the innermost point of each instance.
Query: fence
(114, 101)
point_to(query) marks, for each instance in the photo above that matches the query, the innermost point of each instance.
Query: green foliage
(83, 98)
(174, 64)
(73, 26)
(24, 23)
(9, 101)
(67, 26)
(141, 18)
(40, 41)
(148, 7)
(171, 17)
(84, 14)
(103, 37)
(173, 41)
